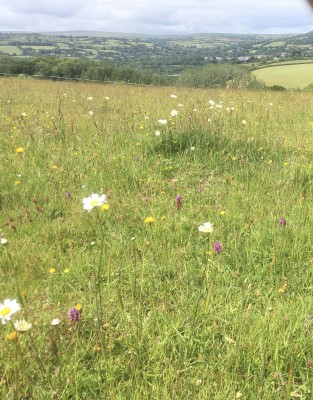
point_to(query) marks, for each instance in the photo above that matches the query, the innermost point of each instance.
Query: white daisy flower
(207, 227)
(93, 201)
(7, 309)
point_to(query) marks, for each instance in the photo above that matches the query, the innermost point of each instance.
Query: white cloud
(158, 17)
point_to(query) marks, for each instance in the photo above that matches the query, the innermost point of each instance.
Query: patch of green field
(132, 300)
(289, 76)
(10, 50)
(40, 47)
(275, 44)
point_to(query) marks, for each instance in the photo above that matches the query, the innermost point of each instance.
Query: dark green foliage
(219, 75)
(277, 88)
(77, 69)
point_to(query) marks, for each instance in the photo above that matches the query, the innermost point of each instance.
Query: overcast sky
(157, 16)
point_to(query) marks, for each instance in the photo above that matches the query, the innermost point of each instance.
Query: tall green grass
(163, 316)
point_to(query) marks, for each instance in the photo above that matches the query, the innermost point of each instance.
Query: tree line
(219, 75)
(79, 69)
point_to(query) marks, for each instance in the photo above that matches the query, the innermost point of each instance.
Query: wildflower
(106, 98)
(157, 133)
(3, 241)
(22, 326)
(93, 201)
(222, 212)
(74, 315)
(207, 227)
(174, 113)
(217, 247)
(68, 194)
(66, 270)
(283, 289)
(211, 102)
(179, 201)
(162, 121)
(23, 114)
(17, 182)
(244, 122)
(7, 309)
(105, 207)
(173, 96)
(90, 113)
(149, 220)
(238, 395)
(192, 148)
(282, 222)
(12, 336)
(89, 98)
(51, 270)
(55, 321)
(19, 150)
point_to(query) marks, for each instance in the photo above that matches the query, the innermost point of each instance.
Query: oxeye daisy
(207, 227)
(93, 201)
(7, 309)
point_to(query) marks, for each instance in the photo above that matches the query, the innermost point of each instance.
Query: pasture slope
(291, 76)
(131, 300)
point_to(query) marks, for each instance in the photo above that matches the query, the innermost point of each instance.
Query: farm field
(155, 243)
(290, 76)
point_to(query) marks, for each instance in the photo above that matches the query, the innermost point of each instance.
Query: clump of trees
(79, 69)
(220, 76)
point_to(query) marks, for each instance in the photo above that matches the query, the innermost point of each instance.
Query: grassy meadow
(131, 300)
(295, 76)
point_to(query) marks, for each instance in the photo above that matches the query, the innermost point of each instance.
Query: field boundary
(65, 78)
(281, 65)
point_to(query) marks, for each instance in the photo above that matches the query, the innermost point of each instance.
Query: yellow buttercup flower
(105, 207)
(149, 220)
(12, 336)
(19, 150)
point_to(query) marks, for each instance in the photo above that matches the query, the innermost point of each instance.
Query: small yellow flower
(105, 207)
(163, 218)
(17, 182)
(12, 336)
(78, 306)
(98, 348)
(285, 164)
(19, 150)
(66, 271)
(234, 158)
(147, 243)
(209, 253)
(270, 161)
(283, 289)
(149, 220)
(141, 127)
(222, 212)
(52, 270)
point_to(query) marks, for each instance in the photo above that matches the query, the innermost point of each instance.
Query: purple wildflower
(68, 194)
(217, 247)
(179, 201)
(282, 222)
(74, 315)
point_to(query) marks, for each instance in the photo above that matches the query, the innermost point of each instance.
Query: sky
(157, 16)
